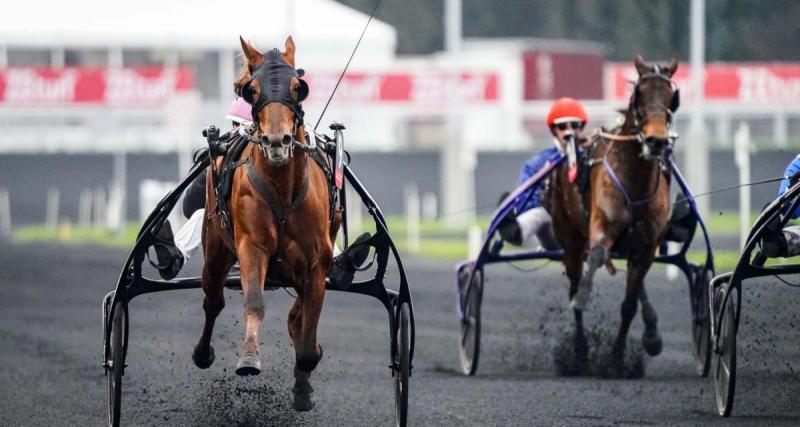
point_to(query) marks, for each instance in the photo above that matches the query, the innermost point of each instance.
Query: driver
(784, 243)
(566, 118)
(173, 251)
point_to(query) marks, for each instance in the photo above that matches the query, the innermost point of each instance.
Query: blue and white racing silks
(791, 170)
(533, 165)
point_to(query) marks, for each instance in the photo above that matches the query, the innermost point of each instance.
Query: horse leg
(573, 264)
(638, 264)
(219, 261)
(253, 262)
(651, 338)
(583, 295)
(303, 321)
(603, 230)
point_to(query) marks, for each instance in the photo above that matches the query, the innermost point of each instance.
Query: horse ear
(253, 56)
(672, 67)
(302, 90)
(289, 52)
(641, 65)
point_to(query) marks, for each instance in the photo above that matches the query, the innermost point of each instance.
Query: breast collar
(274, 77)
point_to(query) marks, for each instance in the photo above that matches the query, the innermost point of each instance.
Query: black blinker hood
(274, 76)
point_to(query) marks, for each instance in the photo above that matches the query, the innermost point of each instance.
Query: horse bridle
(649, 145)
(274, 76)
(654, 147)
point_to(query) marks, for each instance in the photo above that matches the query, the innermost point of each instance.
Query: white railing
(375, 127)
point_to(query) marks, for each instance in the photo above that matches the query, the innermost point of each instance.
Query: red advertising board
(550, 75)
(152, 86)
(735, 82)
(434, 88)
(124, 87)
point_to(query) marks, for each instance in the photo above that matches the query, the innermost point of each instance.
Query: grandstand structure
(109, 84)
(91, 76)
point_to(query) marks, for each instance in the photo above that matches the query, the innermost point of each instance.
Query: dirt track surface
(50, 354)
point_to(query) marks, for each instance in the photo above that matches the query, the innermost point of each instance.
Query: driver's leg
(173, 251)
(537, 224)
(170, 259)
(792, 236)
(343, 269)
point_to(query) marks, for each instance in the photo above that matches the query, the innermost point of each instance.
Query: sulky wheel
(725, 369)
(470, 340)
(701, 322)
(403, 366)
(115, 363)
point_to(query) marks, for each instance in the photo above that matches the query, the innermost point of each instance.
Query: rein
(640, 138)
(620, 138)
(610, 171)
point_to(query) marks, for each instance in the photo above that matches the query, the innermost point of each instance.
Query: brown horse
(280, 225)
(626, 206)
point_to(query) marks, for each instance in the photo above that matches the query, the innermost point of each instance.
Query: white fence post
(114, 207)
(430, 205)
(5, 213)
(151, 191)
(742, 142)
(85, 208)
(355, 217)
(99, 207)
(474, 240)
(51, 213)
(412, 217)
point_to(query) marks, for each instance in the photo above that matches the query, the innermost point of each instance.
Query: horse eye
(247, 93)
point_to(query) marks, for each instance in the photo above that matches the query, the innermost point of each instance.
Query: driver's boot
(509, 229)
(170, 259)
(343, 268)
(773, 242)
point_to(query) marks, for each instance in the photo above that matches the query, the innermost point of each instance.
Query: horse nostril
(287, 139)
(656, 140)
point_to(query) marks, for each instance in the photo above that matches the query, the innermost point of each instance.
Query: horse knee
(254, 304)
(214, 300)
(597, 256)
(213, 306)
(307, 360)
(629, 308)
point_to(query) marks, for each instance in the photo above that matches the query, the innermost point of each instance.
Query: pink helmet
(240, 111)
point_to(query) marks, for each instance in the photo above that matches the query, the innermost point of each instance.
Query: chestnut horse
(279, 216)
(626, 206)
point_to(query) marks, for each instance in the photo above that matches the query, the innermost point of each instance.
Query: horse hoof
(248, 365)
(652, 343)
(203, 361)
(302, 402)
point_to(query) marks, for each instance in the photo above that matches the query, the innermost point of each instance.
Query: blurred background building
(99, 96)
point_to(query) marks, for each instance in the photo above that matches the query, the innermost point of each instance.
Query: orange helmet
(566, 110)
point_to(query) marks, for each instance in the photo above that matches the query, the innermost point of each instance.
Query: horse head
(654, 100)
(275, 90)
